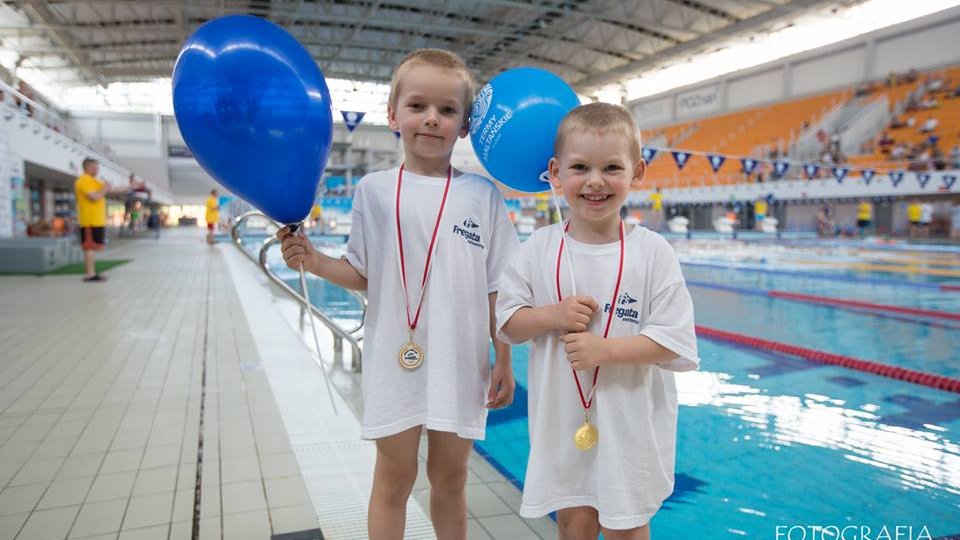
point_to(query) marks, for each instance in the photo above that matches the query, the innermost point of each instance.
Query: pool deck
(109, 392)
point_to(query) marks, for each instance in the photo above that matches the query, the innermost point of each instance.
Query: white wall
(935, 45)
(925, 43)
(137, 139)
(751, 90)
(843, 68)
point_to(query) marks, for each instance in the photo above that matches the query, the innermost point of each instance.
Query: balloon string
(316, 339)
(563, 233)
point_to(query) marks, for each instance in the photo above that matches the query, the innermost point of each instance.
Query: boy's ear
(392, 118)
(465, 129)
(554, 168)
(638, 171)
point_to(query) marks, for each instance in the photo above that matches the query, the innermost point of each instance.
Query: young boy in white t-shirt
(611, 319)
(428, 244)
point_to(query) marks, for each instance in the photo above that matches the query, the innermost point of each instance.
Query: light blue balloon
(514, 122)
(254, 109)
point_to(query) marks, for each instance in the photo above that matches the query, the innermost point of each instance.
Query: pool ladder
(340, 334)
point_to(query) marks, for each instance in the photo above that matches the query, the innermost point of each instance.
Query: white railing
(16, 103)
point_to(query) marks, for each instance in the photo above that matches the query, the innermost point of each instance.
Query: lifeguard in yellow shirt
(864, 216)
(91, 195)
(656, 207)
(914, 210)
(213, 215)
(759, 212)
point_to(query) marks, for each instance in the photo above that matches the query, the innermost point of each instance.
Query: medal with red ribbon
(411, 355)
(587, 435)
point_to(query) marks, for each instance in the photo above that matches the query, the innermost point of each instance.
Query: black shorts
(91, 238)
(863, 223)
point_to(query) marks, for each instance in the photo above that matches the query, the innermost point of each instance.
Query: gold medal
(411, 355)
(587, 436)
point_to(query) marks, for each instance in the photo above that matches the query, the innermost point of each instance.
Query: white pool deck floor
(114, 395)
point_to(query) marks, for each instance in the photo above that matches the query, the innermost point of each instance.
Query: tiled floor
(101, 387)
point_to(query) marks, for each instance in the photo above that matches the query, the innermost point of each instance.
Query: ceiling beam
(356, 30)
(39, 11)
(705, 9)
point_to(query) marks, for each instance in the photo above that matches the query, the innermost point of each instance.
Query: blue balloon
(254, 109)
(513, 124)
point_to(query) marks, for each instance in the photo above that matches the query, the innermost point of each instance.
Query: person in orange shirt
(91, 216)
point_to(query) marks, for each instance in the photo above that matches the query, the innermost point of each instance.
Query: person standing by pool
(913, 216)
(91, 195)
(656, 208)
(864, 217)
(759, 212)
(611, 319)
(212, 216)
(926, 218)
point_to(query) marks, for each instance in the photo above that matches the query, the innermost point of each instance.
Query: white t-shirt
(926, 213)
(629, 473)
(474, 242)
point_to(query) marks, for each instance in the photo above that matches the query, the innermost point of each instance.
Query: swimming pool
(768, 440)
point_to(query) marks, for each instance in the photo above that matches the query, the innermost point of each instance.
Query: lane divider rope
(843, 302)
(829, 277)
(939, 382)
(855, 305)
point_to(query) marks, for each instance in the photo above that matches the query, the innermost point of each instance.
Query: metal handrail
(339, 333)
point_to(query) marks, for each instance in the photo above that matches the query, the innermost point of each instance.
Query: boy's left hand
(585, 350)
(502, 386)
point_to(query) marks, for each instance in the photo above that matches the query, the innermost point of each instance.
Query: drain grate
(312, 534)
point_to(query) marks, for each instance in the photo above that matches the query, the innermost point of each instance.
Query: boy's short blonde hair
(600, 118)
(437, 58)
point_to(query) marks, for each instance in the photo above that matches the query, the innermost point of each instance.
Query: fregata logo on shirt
(469, 231)
(627, 314)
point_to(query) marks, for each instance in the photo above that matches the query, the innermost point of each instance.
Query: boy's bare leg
(639, 533)
(578, 523)
(393, 478)
(447, 456)
(89, 262)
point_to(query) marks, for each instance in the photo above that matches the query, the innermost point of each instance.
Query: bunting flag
(681, 158)
(896, 177)
(716, 161)
(780, 168)
(840, 173)
(396, 134)
(352, 119)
